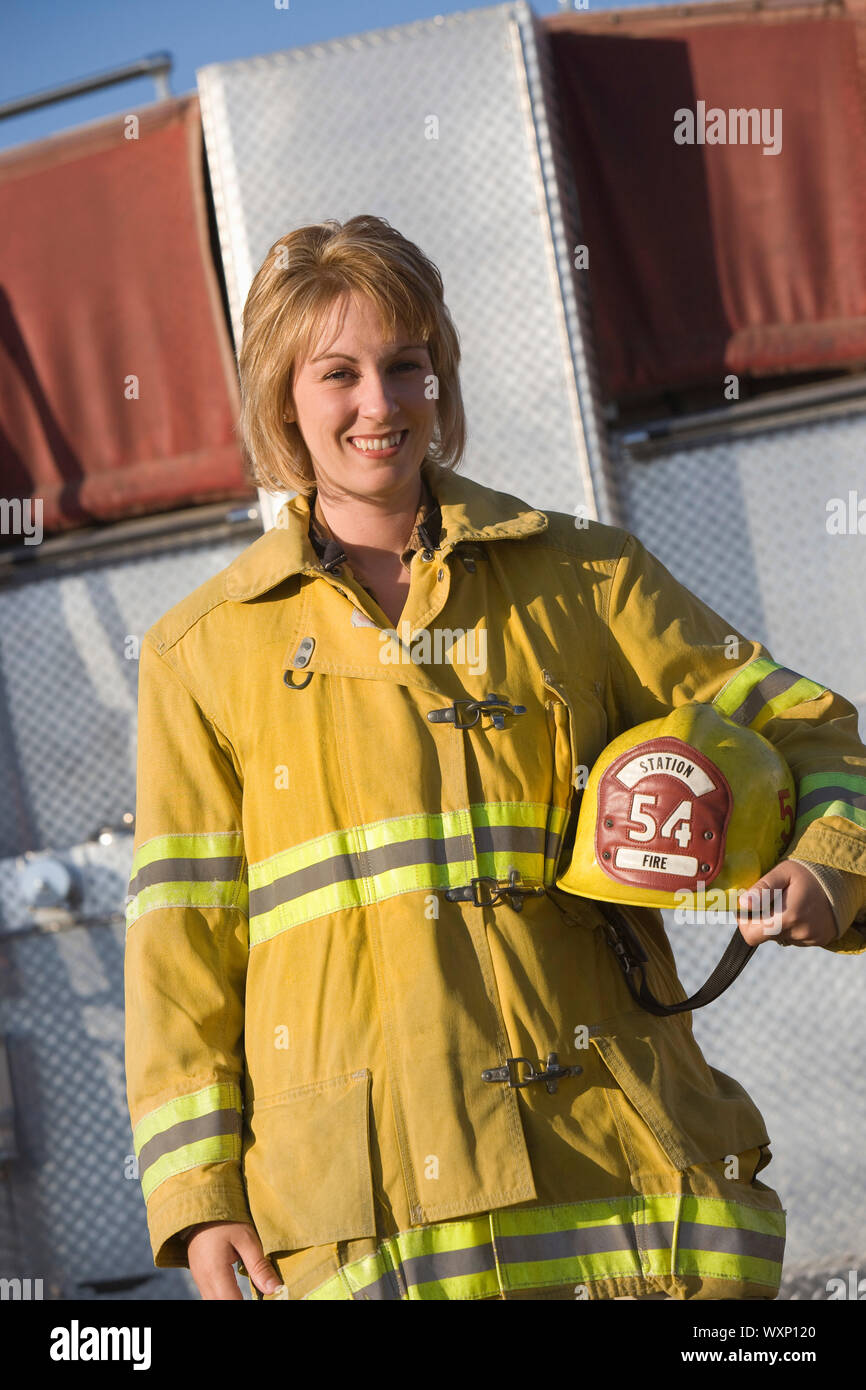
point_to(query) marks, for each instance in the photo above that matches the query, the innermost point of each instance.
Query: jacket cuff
(222, 1199)
(847, 896)
(834, 841)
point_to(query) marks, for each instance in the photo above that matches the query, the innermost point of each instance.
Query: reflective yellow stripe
(762, 690)
(831, 794)
(187, 871)
(543, 1247)
(406, 854)
(347, 868)
(203, 1127)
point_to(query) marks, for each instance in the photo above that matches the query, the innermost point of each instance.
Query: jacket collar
(470, 512)
(425, 532)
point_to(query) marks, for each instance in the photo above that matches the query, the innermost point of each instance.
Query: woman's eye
(344, 371)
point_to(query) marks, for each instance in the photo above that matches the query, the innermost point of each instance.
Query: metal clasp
(471, 891)
(494, 705)
(624, 943)
(496, 889)
(296, 685)
(551, 1074)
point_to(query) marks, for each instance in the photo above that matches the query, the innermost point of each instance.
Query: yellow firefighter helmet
(678, 805)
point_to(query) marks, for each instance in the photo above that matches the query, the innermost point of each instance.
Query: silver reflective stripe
(188, 1132)
(820, 795)
(388, 1288)
(221, 869)
(728, 1240)
(456, 849)
(767, 689)
(449, 1264)
(562, 1245)
(342, 867)
(595, 1240)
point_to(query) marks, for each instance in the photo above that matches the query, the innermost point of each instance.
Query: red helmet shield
(663, 812)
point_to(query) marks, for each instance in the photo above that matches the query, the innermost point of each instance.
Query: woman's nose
(377, 397)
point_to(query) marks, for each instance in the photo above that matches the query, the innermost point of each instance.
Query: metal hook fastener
(296, 685)
(494, 705)
(494, 891)
(551, 1075)
(473, 893)
(515, 891)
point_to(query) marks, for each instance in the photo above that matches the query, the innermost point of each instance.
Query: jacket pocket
(693, 1112)
(307, 1164)
(578, 728)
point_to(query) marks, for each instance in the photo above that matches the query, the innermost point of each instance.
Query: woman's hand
(798, 911)
(212, 1249)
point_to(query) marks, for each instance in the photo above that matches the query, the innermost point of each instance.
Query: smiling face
(358, 385)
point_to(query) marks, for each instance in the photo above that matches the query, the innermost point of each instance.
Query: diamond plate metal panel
(74, 1207)
(787, 1030)
(71, 1212)
(339, 128)
(743, 524)
(68, 690)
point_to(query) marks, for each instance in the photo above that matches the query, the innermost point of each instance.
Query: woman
(358, 753)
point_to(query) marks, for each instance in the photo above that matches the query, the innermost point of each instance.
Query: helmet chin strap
(632, 958)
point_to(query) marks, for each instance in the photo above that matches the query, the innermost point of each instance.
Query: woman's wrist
(846, 891)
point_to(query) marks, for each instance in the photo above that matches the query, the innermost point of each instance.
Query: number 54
(677, 826)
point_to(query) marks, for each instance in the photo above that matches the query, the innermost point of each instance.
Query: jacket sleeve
(667, 648)
(187, 944)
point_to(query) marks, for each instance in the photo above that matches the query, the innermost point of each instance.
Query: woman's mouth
(381, 446)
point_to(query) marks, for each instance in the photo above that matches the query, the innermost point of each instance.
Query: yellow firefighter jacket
(318, 1035)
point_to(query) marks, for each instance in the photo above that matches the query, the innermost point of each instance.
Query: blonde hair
(301, 277)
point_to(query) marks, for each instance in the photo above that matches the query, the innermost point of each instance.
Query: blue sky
(47, 42)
